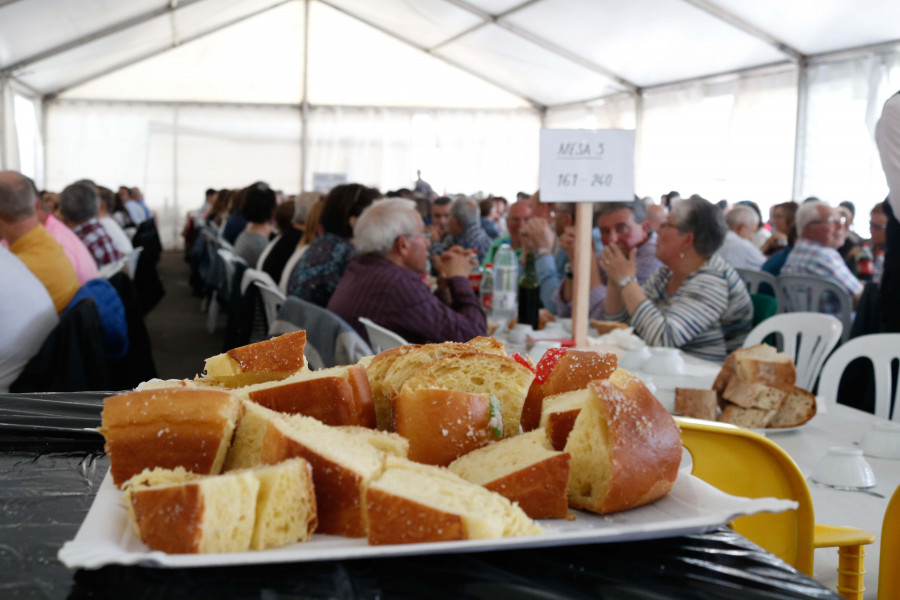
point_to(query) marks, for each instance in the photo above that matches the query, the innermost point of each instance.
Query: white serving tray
(693, 506)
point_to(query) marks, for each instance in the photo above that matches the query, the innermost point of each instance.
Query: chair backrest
(228, 260)
(110, 269)
(880, 348)
(381, 338)
(743, 463)
(806, 292)
(764, 306)
(889, 558)
(807, 336)
(762, 282)
(132, 260)
(272, 300)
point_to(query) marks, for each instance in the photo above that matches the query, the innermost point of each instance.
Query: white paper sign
(585, 165)
(323, 182)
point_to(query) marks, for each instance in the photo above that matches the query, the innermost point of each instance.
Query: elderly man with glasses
(384, 283)
(822, 230)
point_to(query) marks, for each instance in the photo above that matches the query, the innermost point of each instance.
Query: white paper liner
(693, 506)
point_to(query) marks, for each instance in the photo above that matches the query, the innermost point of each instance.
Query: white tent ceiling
(540, 52)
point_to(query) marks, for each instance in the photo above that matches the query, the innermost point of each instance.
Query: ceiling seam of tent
(282, 106)
(737, 22)
(166, 48)
(420, 48)
(486, 19)
(96, 35)
(880, 48)
(5, 3)
(540, 41)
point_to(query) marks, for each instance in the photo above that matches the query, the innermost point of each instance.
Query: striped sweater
(707, 317)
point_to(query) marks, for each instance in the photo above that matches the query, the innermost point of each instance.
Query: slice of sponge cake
(524, 469)
(263, 361)
(411, 502)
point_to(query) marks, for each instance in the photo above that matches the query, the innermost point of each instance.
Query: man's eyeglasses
(425, 235)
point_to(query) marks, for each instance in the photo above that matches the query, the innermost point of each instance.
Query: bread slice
(342, 466)
(263, 361)
(524, 469)
(389, 443)
(625, 447)
(558, 416)
(764, 364)
(412, 503)
(246, 447)
(172, 427)
(573, 370)
(752, 418)
(696, 403)
(727, 371)
(376, 371)
(443, 424)
(480, 373)
(211, 514)
(179, 512)
(335, 396)
(404, 365)
(799, 407)
(285, 506)
(753, 395)
(604, 327)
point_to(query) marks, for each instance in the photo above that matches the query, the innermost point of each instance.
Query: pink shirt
(85, 266)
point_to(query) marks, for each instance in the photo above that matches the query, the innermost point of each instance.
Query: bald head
(17, 196)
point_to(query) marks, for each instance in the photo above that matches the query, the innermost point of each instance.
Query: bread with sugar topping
(268, 360)
(171, 427)
(625, 447)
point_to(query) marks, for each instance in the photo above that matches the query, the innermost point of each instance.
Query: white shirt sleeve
(887, 136)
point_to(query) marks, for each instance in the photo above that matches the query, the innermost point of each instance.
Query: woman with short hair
(696, 301)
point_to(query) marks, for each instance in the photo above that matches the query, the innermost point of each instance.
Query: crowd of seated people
(52, 246)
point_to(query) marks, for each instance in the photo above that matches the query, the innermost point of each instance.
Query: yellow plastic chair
(743, 463)
(888, 577)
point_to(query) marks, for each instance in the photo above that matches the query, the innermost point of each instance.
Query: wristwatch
(625, 281)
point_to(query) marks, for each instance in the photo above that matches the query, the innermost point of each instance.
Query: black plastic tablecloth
(47, 484)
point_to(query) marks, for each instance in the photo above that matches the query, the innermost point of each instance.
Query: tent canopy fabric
(538, 52)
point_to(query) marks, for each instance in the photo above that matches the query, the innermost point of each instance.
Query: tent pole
(304, 104)
(800, 136)
(3, 123)
(638, 139)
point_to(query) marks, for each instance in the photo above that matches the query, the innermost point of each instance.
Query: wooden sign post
(585, 166)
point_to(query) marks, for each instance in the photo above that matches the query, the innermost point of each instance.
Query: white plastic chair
(228, 259)
(132, 260)
(880, 348)
(805, 292)
(807, 336)
(381, 338)
(272, 299)
(753, 279)
(110, 269)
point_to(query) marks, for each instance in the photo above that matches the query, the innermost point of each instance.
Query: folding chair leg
(213, 315)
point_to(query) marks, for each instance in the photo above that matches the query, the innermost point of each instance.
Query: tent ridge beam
(888, 46)
(166, 48)
(732, 19)
(500, 21)
(735, 73)
(420, 48)
(96, 35)
(486, 17)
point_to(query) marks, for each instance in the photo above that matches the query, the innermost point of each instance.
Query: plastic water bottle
(486, 291)
(506, 285)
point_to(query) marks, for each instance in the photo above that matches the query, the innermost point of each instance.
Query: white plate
(105, 536)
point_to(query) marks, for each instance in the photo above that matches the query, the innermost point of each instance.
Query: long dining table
(52, 464)
(833, 425)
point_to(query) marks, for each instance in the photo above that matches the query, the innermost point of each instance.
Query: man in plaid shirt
(821, 232)
(78, 205)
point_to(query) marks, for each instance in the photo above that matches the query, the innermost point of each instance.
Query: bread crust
(696, 403)
(539, 488)
(574, 370)
(169, 428)
(442, 425)
(171, 531)
(333, 400)
(376, 371)
(398, 520)
(339, 490)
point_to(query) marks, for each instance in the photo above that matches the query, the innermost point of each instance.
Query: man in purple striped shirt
(383, 281)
